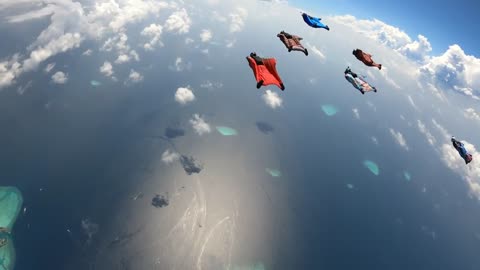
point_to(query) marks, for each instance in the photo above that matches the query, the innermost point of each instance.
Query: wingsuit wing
(266, 74)
(292, 42)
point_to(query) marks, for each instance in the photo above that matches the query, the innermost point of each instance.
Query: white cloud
(388, 35)
(470, 113)
(184, 95)
(356, 113)
(453, 70)
(205, 35)
(374, 140)
(199, 125)
(134, 76)
(399, 138)
(122, 58)
(21, 89)
(59, 77)
(272, 99)
(211, 85)
(153, 31)
(180, 65)
(423, 129)
(417, 50)
(87, 52)
(49, 67)
(106, 69)
(178, 22)
(169, 157)
(237, 19)
(316, 51)
(410, 100)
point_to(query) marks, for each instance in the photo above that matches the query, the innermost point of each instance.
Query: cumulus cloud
(180, 65)
(454, 70)
(206, 35)
(423, 129)
(59, 77)
(135, 77)
(389, 36)
(184, 95)
(272, 99)
(169, 157)
(356, 113)
(70, 24)
(153, 31)
(199, 125)
(178, 22)
(471, 172)
(374, 140)
(471, 113)
(106, 69)
(399, 138)
(237, 19)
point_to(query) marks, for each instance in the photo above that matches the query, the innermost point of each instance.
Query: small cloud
(169, 157)
(211, 85)
(179, 22)
(49, 67)
(316, 51)
(190, 165)
(470, 113)
(423, 129)
(356, 113)
(272, 99)
(135, 77)
(205, 35)
(87, 52)
(59, 77)
(410, 100)
(184, 95)
(189, 41)
(22, 89)
(399, 138)
(180, 65)
(154, 32)
(122, 58)
(199, 125)
(237, 19)
(106, 69)
(374, 140)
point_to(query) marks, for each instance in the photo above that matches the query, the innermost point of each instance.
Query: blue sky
(443, 23)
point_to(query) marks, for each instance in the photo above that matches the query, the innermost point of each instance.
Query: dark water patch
(264, 127)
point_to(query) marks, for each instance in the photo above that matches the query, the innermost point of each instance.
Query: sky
(107, 105)
(443, 22)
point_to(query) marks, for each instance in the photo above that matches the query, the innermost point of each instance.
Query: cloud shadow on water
(190, 165)
(160, 201)
(264, 127)
(173, 133)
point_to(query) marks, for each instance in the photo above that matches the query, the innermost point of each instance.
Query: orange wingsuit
(265, 71)
(366, 58)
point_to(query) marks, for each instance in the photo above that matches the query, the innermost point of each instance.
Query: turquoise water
(350, 186)
(273, 172)
(226, 131)
(372, 166)
(95, 83)
(329, 109)
(407, 175)
(10, 204)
